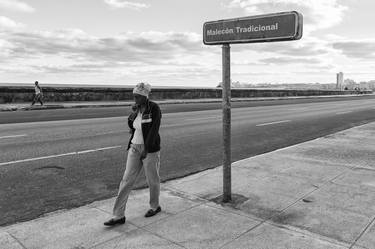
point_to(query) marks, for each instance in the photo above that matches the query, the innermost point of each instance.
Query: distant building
(339, 80)
(350, 84)
(371, 84)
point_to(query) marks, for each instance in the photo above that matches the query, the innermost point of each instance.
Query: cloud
(146, 47)
(73, 50)
(359, 49)
(177, 73)
(307, 47)
(119, 4)
(7, 24)
(165, 41)
(290, 60)
(317, 14)
(16, 5)
(73, 68)
(5, 49)
(152, 55)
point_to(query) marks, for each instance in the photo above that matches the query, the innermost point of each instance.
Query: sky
(120, 42)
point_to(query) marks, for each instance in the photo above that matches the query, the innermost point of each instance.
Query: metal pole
(227, 195)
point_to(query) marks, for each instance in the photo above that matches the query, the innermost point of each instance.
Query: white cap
(143, 89)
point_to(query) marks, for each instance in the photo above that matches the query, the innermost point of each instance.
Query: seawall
(19, 94)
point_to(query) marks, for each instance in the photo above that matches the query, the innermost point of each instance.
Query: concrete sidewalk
(85, 104)
(318, 194)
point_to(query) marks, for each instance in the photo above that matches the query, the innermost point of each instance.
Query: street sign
(263, 28)
(282, 26)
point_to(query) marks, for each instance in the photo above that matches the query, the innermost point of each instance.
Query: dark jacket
(150, 126)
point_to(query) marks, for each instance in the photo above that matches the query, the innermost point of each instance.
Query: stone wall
(9, 94)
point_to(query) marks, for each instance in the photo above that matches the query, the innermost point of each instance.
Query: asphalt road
(46, 166)
(99, 112)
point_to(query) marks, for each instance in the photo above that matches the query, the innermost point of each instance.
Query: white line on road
(276, 122)
(60, 155)
(343, 112)
(203, 118)
(112, 132)
(298, 109)
(13, 136)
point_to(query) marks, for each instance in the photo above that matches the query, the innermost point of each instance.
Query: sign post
(282, 26)
(227, 186)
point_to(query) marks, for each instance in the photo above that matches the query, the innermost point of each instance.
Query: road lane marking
(111, 132)
(299, 109)
(60, 155)
(343, 112)
(100, 149)
(14, 136)
(203, 118)
(276, 122)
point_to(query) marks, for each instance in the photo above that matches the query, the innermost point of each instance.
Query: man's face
(140, 99)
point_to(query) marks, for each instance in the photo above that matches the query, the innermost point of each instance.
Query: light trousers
(134, 164)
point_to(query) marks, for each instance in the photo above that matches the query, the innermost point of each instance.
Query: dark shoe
(152, 212)
(113, 222)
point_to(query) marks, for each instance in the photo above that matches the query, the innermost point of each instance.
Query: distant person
(38, 94)
(143, 151)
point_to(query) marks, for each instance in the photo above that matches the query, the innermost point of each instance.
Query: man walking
(38, 94)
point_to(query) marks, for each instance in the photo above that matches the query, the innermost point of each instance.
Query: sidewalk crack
(17, 240)
(372, 222)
